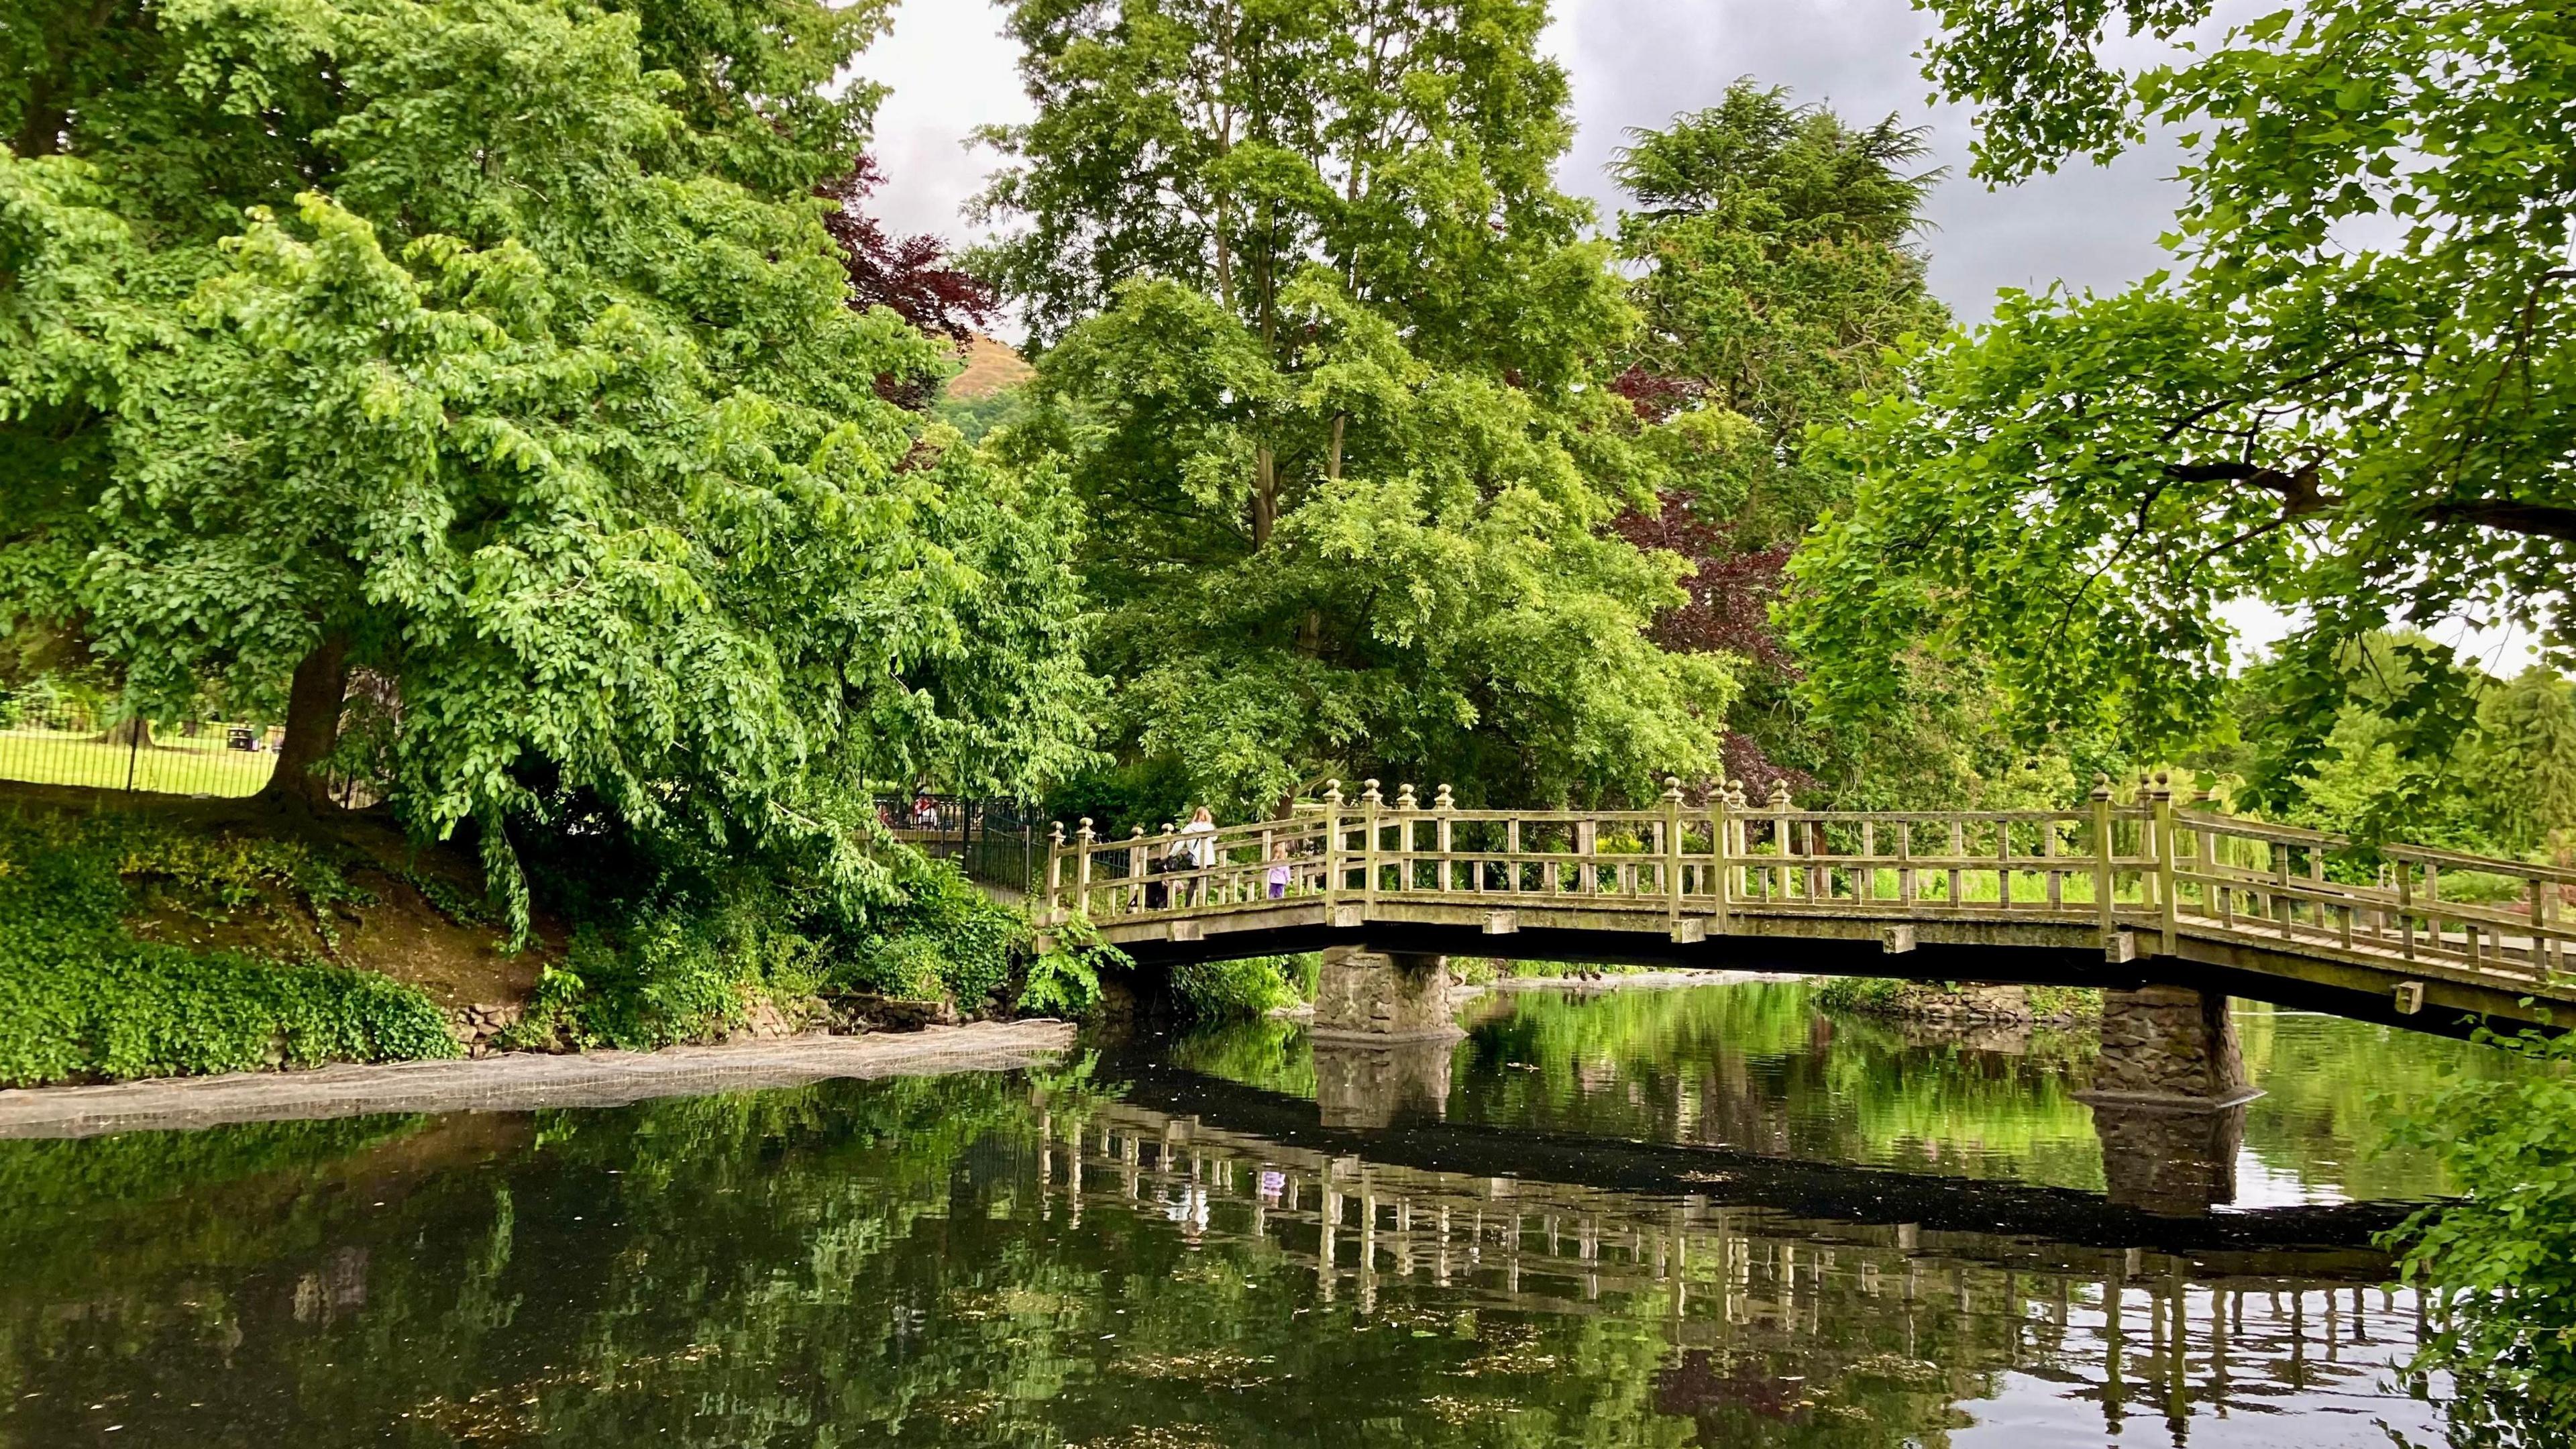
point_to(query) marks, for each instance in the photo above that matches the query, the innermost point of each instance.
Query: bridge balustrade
(2145, 871)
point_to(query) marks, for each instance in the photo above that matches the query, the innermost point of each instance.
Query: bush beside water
(82, 999)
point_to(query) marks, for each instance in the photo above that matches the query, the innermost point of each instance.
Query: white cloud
(1633, 63)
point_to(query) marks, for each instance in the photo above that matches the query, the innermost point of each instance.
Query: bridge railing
(2145, 866)
(2474, 912)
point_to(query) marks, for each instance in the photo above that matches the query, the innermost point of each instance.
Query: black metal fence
(996, 842)
(66, 744)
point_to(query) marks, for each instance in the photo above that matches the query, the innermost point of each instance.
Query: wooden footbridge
(2136, 888)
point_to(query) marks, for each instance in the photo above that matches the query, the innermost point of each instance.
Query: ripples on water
(1735, 1222)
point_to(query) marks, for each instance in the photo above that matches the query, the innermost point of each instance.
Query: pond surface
(1712, 1216)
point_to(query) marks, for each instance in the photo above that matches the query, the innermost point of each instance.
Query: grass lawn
(175, 765)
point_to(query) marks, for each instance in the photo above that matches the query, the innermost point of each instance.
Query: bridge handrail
(2152, 865)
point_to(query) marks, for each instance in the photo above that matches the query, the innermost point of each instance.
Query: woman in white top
(1198, 839)
(1197, 844)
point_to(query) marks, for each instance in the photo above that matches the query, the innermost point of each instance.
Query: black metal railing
(65, 744)
(996, 842)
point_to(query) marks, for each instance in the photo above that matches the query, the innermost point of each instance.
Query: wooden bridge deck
(2120, 892)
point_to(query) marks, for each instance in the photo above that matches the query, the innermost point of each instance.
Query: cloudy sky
(1633, 63)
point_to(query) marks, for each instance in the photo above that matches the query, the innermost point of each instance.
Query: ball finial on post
(1673, 788)
(1369, 793)
(1087, 835)
(1444, 802)
(2101, 785)
(1055, 832)
(1333, 793)
(1404, 797)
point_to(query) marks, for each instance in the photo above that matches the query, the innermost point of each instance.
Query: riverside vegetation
(513, 400)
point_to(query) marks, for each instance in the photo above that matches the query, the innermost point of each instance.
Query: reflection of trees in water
(2330, 1087)
(966, 1261)
(1756, 1066)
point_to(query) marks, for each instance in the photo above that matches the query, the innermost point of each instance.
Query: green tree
(2344, 401)
(1779, 270)
(1323, 347)
(496, 350)
(2522, 762)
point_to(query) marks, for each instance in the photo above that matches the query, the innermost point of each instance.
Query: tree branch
(2539, 520)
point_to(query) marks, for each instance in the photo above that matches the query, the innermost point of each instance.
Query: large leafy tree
(498, 350)
(2347, 400)
(1777, 271)
(1324, 347)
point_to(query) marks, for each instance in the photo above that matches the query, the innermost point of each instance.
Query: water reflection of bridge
(1757, 1302)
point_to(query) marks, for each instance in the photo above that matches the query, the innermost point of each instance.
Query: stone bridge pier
(2168, 1099)
(1382, 1036)
(1382, 996)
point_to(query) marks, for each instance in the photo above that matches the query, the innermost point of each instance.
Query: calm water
(1709, 1217)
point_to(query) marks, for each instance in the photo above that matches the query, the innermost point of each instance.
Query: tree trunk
(1333, 461)
(313, 704)
(1265, 496)
(134, 733)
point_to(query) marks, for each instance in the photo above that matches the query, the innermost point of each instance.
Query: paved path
(521, 1082)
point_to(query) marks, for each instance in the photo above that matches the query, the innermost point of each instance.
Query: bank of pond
(1714, 1215)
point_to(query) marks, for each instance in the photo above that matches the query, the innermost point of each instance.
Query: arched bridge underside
(2147, 896)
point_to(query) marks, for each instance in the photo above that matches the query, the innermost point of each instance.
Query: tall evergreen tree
(1777, 269)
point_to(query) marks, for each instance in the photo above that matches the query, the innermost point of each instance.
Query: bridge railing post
(1441, 806)
(1372, 805)
(1672, 852)
(1719, 823)
(1055, 873)
(1405, 808)
(2168, 907)
(2103, 876)
(1332, 847)
(1083, 839)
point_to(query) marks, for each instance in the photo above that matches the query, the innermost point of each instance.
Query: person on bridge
(1197, 846)
(1279, 870)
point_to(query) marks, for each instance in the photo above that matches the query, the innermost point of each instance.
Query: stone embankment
(521, 1081)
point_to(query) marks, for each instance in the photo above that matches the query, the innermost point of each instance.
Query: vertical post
(1441, 805)
(2102, 874)
(1332, 847)
(1780, 833)
(2541, 891)
(1082, 866)
(1721, 839)
(1672, 851)
(2003, 863)
(1404, 823)
(2165, 859)
(1373, 804)
(1055, 872)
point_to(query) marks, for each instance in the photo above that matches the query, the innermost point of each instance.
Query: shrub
(2499, 1262)
(1221, 990)
(82, 999)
